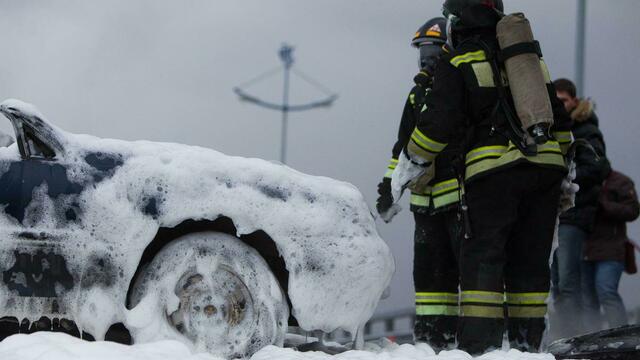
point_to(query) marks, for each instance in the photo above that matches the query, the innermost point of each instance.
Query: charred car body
(180, 242)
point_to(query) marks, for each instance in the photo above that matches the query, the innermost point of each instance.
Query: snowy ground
(57, 346)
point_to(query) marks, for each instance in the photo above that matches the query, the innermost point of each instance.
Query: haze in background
(163, 70)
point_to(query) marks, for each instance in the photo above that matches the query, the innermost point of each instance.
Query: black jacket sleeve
(444, 113)
(408, 120)
(591, 168)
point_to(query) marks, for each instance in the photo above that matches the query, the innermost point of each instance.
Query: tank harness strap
(519, 49)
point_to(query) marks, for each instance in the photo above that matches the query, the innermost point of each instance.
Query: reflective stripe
(446, 310)
(416, 150)
(492, 312)
(427, 297)
(534, 298)
(485, 151)
(487, 297)
(563, 136)
(392, 166)
(527, 311)
(420, 200)
(468, 57)
(484, 74)
(445, 186)
(491, 157)
(550, 146)
(426, 142)
(412, 99)
(447, 199)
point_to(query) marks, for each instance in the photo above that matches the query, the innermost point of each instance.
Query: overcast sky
(164, 71)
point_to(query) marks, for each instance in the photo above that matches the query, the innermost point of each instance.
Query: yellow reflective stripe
(417, 150)
(412, 99)
(392, 166)
(484, 152)
(492, 312)
(426, 142)
(478, 160)
(444, 186)
(488, 164)
(550, 146)
(425, 297)
(447, 199)
(420, 200)
(422, 293)
(434, 310)
(563, 136)
(484, 74)
(468, 57)
(533, 298)
(527, 311)
(488, 297)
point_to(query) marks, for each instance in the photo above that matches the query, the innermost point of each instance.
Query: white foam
(338, 265)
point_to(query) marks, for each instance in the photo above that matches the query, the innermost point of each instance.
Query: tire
(228, 301)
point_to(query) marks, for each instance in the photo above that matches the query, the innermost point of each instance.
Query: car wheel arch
(259, 240)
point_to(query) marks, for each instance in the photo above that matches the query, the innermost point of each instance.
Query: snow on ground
(58, 346)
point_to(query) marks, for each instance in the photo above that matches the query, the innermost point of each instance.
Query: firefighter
(435, 270)
(512, 193)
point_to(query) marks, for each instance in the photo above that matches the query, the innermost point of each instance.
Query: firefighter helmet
(432, 32)
(472, 14)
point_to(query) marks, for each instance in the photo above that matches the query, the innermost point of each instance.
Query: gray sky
(163, 70)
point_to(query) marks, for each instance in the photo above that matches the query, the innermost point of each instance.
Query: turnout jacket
(442, 192)
(463, 105)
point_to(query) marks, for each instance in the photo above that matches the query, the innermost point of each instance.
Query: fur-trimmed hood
(584, 111)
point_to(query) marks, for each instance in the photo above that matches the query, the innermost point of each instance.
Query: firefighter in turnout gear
(512, 194)
(434, 205)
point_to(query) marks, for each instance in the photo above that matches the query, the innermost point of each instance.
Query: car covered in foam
(178, 242)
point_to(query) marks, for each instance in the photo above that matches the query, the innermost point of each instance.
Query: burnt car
(169, 241)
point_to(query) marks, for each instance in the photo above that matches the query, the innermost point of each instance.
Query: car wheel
(215, 292)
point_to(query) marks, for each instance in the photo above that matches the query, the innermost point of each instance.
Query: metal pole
(285, 113)
(580, 45)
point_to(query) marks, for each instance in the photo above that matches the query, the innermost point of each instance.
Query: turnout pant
(506, 260)
(435, 277)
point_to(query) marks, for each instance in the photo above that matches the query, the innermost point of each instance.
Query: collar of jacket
(583, 112)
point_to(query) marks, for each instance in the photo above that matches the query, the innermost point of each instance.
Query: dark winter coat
(591, 168)
(618, 204)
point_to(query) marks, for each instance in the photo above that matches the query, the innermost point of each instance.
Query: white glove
(405, 172)
(568, 190)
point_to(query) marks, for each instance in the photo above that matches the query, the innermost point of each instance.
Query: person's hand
(385, 199)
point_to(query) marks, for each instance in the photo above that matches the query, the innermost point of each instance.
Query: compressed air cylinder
(526, 77)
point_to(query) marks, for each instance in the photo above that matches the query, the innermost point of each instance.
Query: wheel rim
(215, 309)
